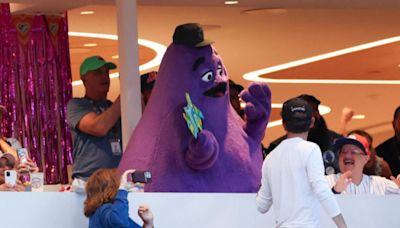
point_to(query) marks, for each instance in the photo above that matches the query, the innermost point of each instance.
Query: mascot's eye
(220, 71)
(207, 76)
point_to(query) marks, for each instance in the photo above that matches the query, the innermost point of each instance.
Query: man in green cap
(95, 123)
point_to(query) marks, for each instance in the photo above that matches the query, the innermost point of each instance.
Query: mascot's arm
(257, 110)
(203, 151)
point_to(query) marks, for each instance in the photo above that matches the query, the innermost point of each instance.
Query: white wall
(186, 210)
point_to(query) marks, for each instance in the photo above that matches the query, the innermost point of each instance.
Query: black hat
(310, 99)
(147, 81)
(296, 109)
(235, 86)
(190, 34)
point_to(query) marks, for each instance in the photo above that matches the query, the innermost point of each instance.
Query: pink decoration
(35, 77)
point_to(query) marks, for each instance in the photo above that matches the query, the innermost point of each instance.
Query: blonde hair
(101, 187)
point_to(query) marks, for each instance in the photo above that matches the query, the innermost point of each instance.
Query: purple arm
(203, 151)
(257, 110)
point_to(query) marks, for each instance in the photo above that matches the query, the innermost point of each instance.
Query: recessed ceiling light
(115, 57)
(90, 45)
(231, 2)
(262, 11)
(358, 117)
(88, 12)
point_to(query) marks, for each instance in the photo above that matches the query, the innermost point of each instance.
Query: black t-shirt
(390, 152)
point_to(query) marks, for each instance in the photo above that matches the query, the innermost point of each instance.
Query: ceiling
(250, 39)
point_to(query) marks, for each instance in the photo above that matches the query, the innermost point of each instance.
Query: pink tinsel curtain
(35, 87)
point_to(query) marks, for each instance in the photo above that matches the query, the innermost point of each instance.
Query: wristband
(333, 190)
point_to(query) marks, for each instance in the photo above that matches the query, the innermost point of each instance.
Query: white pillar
(128, 67)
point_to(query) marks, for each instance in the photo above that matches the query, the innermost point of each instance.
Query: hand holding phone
(10, 177)
(124, 183)
(23, 155)
(141, 177)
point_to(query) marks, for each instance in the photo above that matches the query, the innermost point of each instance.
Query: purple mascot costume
(226, 155)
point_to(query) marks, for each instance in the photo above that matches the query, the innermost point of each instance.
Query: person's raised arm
(100, 124)
(7, 148)
(347, 115)
(146, 215)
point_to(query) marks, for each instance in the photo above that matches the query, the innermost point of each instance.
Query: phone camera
(8, 173)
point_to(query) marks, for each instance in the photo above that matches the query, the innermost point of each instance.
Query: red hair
(101, 187)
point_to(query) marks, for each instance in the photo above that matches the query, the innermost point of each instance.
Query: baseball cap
(353, 139)
(310, 99)
(94, 63)
(147, 81)
(191, 35)
(296, 109)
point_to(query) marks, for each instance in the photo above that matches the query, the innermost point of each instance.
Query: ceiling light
(231, 2)
(265, 11)
(90, 45)
(358, 117)
(88, 12)
(115, 57)
(255, 75)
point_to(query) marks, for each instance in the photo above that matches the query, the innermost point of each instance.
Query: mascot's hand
(257, 110)
(203, 151)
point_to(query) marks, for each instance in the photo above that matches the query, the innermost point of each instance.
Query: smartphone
(23, 155)
(10, 177)
(141, 177)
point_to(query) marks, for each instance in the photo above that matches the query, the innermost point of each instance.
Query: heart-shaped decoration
(53, 27)
(23, 27)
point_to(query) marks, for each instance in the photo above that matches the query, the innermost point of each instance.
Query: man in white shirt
(293, 174)
(353, 154)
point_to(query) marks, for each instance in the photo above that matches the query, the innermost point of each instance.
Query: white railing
(186, 210)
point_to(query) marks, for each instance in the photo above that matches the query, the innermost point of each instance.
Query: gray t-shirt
(91, 152)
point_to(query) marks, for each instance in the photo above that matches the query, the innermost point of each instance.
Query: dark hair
(101, 187)
(296, 115)
(297, 126)
(396, 113)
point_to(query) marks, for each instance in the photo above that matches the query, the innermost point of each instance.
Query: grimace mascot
(225, 155)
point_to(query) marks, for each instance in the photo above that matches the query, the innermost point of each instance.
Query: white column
(128, 67)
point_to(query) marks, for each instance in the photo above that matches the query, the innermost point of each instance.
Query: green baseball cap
(94, 63)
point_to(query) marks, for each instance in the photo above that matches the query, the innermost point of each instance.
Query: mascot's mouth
(217, 91)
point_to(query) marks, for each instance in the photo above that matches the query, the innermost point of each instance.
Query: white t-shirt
(373, 185)
(293, 181)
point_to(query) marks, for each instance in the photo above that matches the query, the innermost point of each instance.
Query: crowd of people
(293, 170)
(9, 160)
